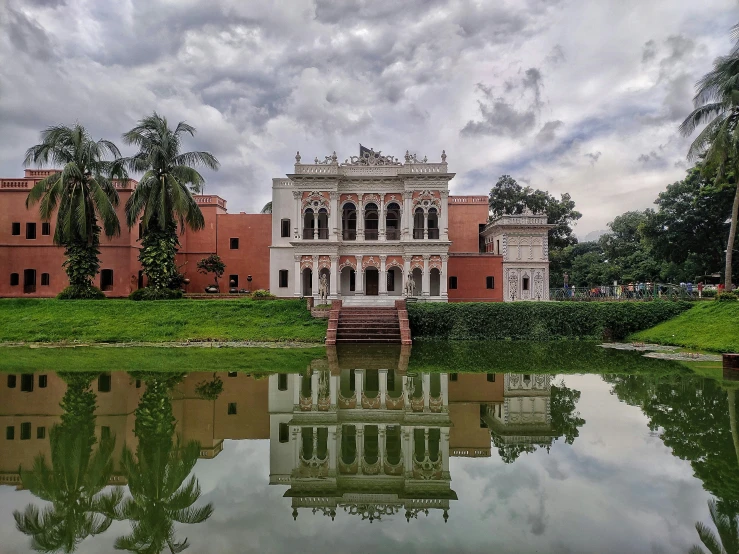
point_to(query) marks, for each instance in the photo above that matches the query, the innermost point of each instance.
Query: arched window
(323, 224)
(308, 224)
(371, 222)
(349, 222)
(392, 221)
(418, 218)
(433, 225)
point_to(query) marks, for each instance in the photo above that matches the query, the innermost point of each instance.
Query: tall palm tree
(717, 103)
(74, 481)
(82, 193)
(162, 198)
(156, 476)
(727, 526)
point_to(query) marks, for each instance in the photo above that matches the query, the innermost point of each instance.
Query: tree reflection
(156, 475)
(74, 480)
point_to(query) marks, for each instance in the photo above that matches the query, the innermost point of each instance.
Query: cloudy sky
(569, 96)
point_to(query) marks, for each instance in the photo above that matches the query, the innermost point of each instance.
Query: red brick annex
(369, 225)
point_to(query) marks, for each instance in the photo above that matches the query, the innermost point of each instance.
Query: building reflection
(350, 435)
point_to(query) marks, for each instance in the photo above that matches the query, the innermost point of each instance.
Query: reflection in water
(363, 437)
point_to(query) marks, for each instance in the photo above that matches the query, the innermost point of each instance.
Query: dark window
(30, 230)
(104, 432)
(283, 277)
(40, 432)
(15, 228)
(234, 244)
(141, 229)
(282, 381)
(525, 283)
(481, 239)
(352, 280)
(491, 377)
(232, 408)
(452, 282)
(497, 247)
(25, 431)
(46, 229)
(391, 281)
(10, 433)
(11, 381)
(27, 382)
(14, 279)
(233, 280)
(453, 376)
(232, 374)
(285, 228)
(490, 282)
(284, 432)
(42, 381)
(45, 279)
(104, 382)
(29, 281)
(106, 279)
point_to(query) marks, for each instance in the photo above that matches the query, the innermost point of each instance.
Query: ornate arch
(416, 263)
(394, 263)
(324, 262)
(373, 199)
(348, 263)
(306, 263)
(315, 201)
(370, 261)
(427, 200)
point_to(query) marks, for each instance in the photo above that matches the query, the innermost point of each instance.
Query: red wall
(466, 213)
(471, 271)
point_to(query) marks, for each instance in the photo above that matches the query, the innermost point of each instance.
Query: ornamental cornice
(374, 248)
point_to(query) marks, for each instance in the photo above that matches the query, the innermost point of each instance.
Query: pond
(470, 447)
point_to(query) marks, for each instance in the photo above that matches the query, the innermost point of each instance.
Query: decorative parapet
(370, 163)
(210, 200)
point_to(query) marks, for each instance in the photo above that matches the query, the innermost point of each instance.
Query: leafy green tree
(717, 104)
(727, 526)
(82, 194)
(212, 264)
(74, 481)
(157, 473)
(267, 209)
(163, 199)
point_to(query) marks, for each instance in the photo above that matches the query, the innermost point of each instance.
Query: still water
(369, 450)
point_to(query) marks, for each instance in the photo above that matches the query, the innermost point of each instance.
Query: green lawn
(41, 320)
(711, 326)
(91, 358)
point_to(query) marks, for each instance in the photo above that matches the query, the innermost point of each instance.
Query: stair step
(368, 341)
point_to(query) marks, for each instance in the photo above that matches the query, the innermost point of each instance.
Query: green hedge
(537, 320)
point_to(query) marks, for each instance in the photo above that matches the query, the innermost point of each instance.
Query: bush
(709, 293)
(537, 320)
(727, 296)
(78, 292)
(261, 294)
(148, 293)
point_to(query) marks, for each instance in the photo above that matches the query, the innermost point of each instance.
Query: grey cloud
(501, 118)
(593, 156)
(27, 37)
(556, 56)
(649, 52)
(549, 131)
(532, 80)
(650, 157)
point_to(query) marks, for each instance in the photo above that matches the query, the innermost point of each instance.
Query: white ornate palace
(363, 224)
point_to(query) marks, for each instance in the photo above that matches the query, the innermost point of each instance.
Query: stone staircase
(368, 325)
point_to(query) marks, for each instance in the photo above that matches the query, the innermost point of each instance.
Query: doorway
(29, 281)
(372, 280)
(307, 282)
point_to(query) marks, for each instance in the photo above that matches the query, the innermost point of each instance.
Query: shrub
(261, 294)
(81, 292)
(727, 296)
(322, 307)
(709, 293)
(537, 320)
(148, 293)
(210, 390)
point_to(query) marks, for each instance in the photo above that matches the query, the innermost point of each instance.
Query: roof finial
(443, 156)
(297, 157)
(407, 156)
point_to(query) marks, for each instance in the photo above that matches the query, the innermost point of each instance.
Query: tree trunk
(731, 394)
(728, 283)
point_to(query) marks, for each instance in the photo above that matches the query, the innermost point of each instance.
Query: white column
(383, 276)
(314, 390)
(444, 217)
(359, 281)
(426, 381)
(298, 277)
(335, 216)
(333, 388)
(406, 272)
(314, 275)
(298, 381)
(360, 447)
(381, 441)
(296, 446)
(315, 225)
(408, 450)
(359, 385)
(407, 221)
(383, 387)
(382, 219)
(297, 196)
(425, 224)
(426, 279)
(444, 449)
(334, 281)
(445, 390)
(360, 218)
(444, 278)
(332, 449)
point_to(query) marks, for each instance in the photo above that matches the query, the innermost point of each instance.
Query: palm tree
(162, 198)
(727, 526)
(156, 476)
(74, 481)
(717, 103)
(82, 193)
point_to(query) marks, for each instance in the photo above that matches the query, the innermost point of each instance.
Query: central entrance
(372, 281)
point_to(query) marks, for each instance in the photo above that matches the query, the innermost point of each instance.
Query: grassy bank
(32, 320)
(537, 321)
(91, 358)
(712, 326)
